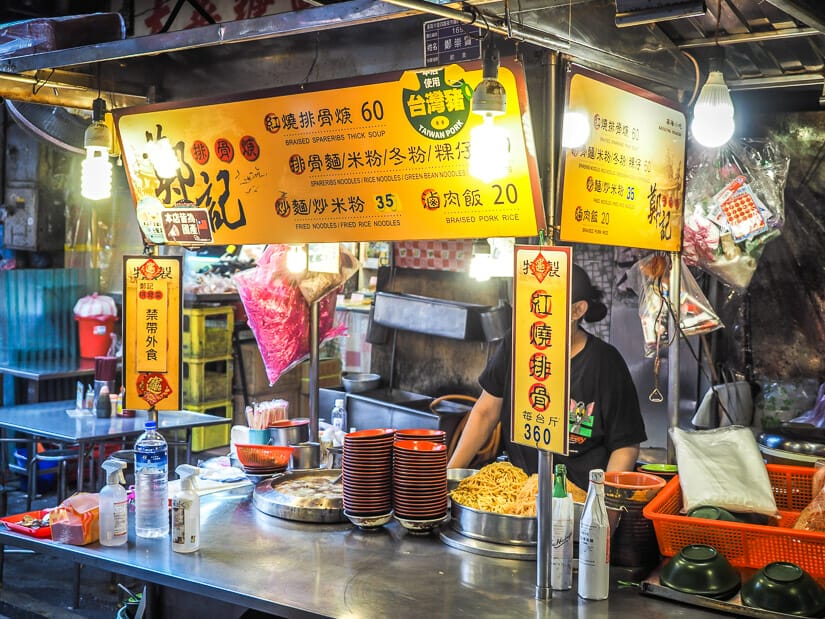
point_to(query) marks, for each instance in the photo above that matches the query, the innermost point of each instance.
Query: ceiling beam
(810, 13)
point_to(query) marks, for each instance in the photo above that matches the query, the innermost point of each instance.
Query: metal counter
(292, 569)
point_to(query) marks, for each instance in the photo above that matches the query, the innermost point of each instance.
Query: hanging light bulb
(575, 130)
(296, 259)
(489, 143)
(713, 123)
(163, 158)
(481, 262)
(96, 169)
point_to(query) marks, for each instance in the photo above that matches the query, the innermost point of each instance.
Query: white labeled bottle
(594, 542)
(186, 511)
(151, 483)
(114, 515)
(561, 564)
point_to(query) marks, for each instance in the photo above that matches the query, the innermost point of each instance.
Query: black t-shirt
(603, 409)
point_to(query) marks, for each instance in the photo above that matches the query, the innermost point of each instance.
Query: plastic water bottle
(594, 542)
(339, 415)
(151, 483)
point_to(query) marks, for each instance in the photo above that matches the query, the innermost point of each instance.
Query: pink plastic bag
(278, 315)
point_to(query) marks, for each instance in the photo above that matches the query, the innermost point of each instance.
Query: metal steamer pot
(269, 499)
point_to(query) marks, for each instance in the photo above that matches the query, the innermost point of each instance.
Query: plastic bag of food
(650, 278)
(278, 314)
(75, 520)
(734, 205)
(812, 517)
(315, 285)
(782, 400)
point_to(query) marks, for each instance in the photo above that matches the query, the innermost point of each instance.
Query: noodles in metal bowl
(495, 486)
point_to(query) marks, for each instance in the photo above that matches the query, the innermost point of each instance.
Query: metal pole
(314, 313)
(673, 363)
(544, 517)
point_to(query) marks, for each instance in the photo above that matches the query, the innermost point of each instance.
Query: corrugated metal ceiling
(775, 47)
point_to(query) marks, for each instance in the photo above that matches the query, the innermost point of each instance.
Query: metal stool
(61, 458)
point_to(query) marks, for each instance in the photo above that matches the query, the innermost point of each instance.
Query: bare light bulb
(489, 151)
(296, 259)
(163, 158)
(96, 174)
(575, 130)
(713, 123)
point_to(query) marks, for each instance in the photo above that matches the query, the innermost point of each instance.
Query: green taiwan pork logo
(437, 110)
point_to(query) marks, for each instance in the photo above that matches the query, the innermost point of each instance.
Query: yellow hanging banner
(623, 182)
(379, 158)
(541, 347)
(152, 308)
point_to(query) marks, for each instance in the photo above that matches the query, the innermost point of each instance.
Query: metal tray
(268, 499)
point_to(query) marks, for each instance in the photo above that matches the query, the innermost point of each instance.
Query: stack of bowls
(367, 477)
(784, 587)
(698, 569)
(420, 484)
(421, 434)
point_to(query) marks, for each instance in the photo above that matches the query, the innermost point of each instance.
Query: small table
(50, 421)
(38, 372)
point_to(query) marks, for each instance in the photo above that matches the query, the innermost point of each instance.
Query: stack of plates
(421, 434)
(367, 477)
(262, 471)
(420, 484)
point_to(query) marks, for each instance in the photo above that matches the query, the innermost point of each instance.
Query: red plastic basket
(745, 545)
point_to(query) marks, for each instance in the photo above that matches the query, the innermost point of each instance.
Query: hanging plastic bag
(734, 205)
(726, 404)
(278, 314)
(315, 285)
(650, 278)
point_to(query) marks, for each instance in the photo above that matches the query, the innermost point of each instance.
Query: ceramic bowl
(784, 587)
(698, 569)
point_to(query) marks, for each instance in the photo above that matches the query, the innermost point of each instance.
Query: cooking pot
(289, 431)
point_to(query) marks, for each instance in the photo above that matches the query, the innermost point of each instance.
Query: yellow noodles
(492, 488)
(525, 501)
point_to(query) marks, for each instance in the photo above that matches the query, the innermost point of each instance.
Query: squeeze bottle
(113, 518)
(186, 512)
(561, 564)
(594, 542)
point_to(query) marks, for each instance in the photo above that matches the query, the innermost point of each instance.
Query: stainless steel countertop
(295, 569)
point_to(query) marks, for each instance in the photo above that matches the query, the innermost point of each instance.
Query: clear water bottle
(151, 483)
(339, 415)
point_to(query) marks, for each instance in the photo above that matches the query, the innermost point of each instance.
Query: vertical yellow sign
(541, 347)
(152, 332)
(623, 181)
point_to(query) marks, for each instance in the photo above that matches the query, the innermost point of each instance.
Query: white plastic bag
(723, 467)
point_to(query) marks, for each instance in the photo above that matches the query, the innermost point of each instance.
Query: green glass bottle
(560, 481)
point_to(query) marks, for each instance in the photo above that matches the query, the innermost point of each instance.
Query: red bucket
(95, 335)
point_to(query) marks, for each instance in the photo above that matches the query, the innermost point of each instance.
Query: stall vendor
(606, 425)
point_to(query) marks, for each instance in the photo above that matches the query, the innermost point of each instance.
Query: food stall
(349, 555)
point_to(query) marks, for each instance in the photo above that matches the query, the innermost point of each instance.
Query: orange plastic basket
(745, 545)
(259, 456)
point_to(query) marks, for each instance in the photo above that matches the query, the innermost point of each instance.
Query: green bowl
(698, 569)
(784, 587)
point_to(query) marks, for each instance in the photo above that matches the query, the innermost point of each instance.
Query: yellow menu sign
(624, 185)
(151, 332)
(381, 158)
(541, 347)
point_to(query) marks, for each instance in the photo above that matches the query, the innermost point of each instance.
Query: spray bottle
(186, 512)
(113, 518)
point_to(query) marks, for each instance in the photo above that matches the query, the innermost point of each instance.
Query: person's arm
(623, 459)
(483, 417)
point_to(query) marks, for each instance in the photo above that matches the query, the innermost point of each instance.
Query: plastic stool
(61, 458)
